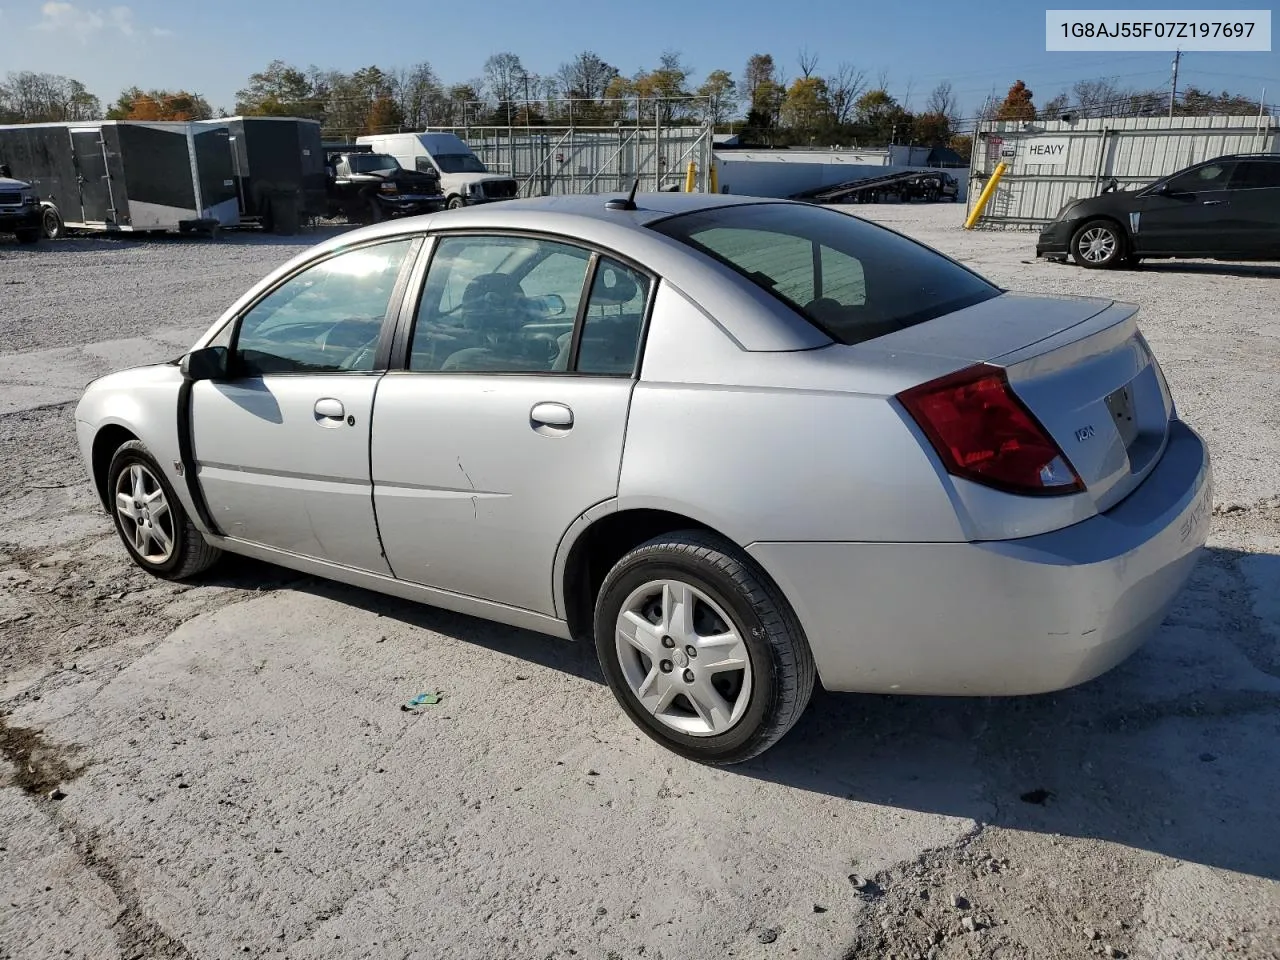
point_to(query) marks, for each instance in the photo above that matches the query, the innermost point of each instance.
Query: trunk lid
(1081, 366)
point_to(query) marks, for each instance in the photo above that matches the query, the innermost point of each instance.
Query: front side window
(1212, 176)
(853, 280)
(325, 319)
(497, 304)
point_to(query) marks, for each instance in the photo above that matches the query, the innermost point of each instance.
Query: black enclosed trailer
(279, 169)
(118, 175)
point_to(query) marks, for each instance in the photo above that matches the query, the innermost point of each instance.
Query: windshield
(853, 280)
(372, 162)
(459, 163)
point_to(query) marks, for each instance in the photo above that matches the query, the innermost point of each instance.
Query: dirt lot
(222, 770)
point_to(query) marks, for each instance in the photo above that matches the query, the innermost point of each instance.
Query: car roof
(587, 216)
(755, 319)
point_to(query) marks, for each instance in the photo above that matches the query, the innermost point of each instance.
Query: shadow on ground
(1267, 271)
(1164, 753)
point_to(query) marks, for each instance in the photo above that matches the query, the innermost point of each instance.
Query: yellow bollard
(691, 177)
(985, 197)
(714, 176)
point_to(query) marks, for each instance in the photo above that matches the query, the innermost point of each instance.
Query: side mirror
(207, 363)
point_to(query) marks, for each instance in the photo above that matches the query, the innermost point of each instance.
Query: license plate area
(1120, 406)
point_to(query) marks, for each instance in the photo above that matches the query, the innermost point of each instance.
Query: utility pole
(1173, 93)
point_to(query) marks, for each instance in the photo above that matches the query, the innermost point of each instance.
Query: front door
(505, 427)
(1193, 216)
(91, 169)
(282, 444)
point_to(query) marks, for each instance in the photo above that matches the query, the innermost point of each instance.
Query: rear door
(1255, 202)
(91, 173)
(506, 421)
(282, 444)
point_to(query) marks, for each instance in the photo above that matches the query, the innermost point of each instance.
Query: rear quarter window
(853, 280)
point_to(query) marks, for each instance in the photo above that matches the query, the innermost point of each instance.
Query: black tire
(456, 203)
(51, 224)
(782, 667)
(28, 236)
(191, 554)
(1086, 240)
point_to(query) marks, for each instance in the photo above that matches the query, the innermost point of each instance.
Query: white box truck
(464, 179)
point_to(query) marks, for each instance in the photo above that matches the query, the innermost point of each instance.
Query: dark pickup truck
(369, 187)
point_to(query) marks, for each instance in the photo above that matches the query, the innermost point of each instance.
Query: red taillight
(984, 433)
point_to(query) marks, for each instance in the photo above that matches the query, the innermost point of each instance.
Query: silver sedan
(740, 445)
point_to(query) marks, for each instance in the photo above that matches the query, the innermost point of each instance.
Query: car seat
(494, 307)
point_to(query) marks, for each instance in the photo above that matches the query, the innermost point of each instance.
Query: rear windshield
(854, 280)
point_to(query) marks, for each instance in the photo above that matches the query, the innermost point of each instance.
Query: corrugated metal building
(1052, 162)
(564, 160)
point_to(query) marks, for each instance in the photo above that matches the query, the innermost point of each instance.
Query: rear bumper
(1002, 617)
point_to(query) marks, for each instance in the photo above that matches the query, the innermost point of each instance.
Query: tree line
(766, 104)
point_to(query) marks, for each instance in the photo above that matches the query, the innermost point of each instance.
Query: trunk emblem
(1084, 433)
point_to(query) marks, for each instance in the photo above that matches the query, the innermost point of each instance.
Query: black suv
(1227, 208)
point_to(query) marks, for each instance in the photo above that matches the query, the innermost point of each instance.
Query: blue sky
(211, 46)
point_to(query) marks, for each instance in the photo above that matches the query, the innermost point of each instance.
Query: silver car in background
(738, 444)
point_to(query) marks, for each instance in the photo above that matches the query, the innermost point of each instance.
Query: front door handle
(550, 417)
(330, 409)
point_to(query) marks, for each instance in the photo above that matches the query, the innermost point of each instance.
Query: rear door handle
(328, 408)
(1213, 203)
(556, 416)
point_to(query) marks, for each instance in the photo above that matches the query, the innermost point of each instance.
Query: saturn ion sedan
(741, 445)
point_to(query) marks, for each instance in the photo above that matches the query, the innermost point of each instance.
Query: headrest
(613, 286)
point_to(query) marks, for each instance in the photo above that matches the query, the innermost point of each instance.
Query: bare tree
(1092, 96)
(943, 102)
(504, 76)
(420, 96)
(844, 87)
(586, 76)
(808, 62)
(906, 95)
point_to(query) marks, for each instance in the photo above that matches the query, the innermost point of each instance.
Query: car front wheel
(1098, 244)
(150, 519)
(700, 649)
(456, 203)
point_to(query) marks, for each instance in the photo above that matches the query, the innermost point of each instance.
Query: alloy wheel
(1098, 244)
(144, 514)
(683, 659)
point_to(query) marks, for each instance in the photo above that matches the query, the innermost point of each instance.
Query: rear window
(852, 279)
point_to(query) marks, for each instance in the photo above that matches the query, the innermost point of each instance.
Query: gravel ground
(222, 770)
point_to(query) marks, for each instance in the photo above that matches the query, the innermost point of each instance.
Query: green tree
(721, 94)
(278, 91)
(807, 108)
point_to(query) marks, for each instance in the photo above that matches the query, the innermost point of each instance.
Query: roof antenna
(627, 204)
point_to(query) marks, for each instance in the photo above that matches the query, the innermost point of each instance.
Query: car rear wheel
(28, 236)
(700, 649)
(150, 519)
(1098, 244)
(51, 224)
